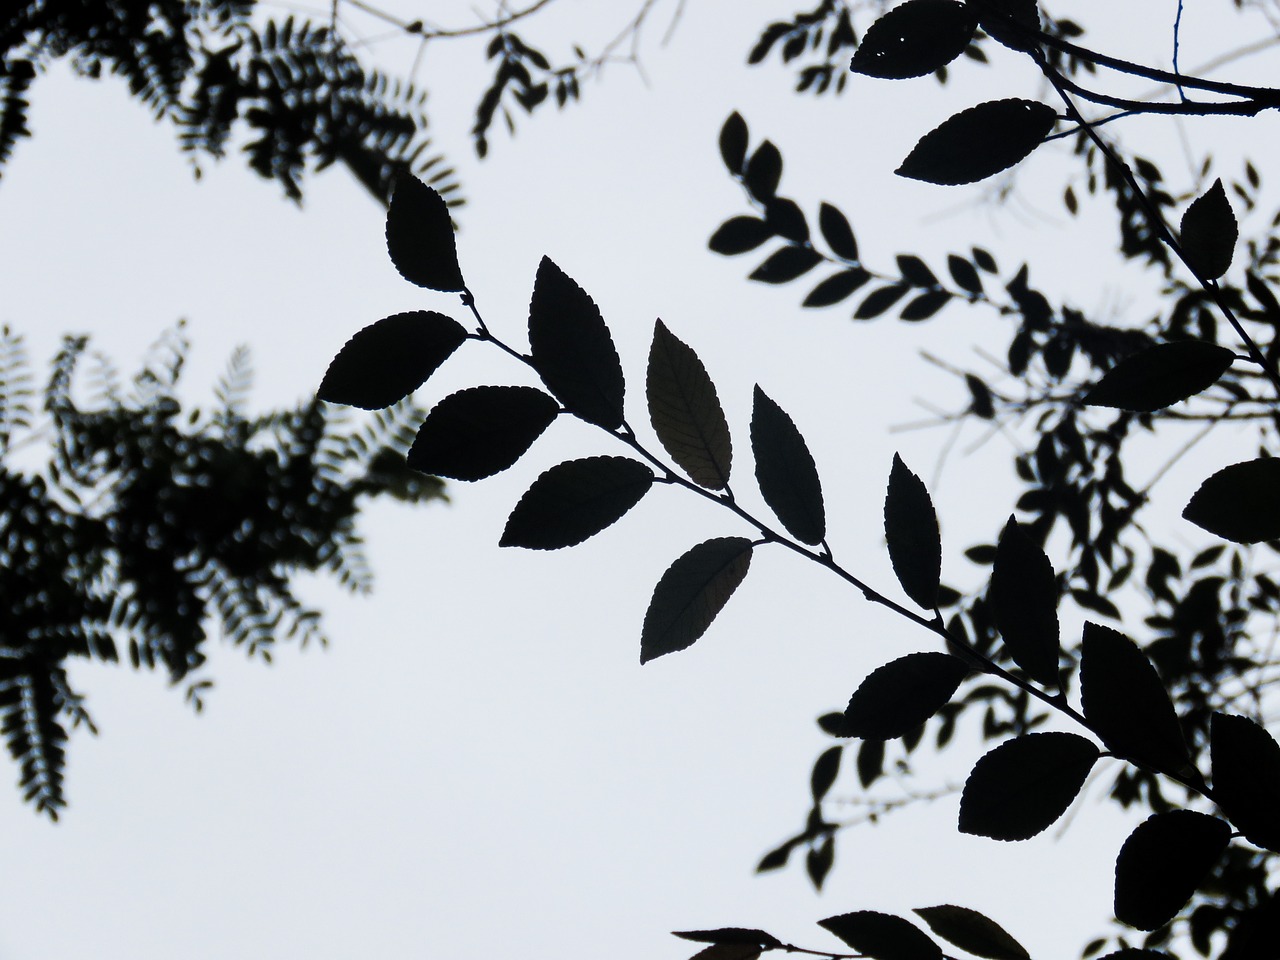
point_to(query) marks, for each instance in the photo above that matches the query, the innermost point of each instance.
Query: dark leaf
(1022, 786)
(914, 39)
(878, 301)
(818, 860)
(786, 264)
(1015, 23)
(691, 593)
(777, 858)
(572, 349)
(420, 236)
(1024, 599)
(825, 769)
(1209, 232)
(979, 142)
(739, 235)
(786, 219)
(964, 274)
(911, 530)
(685, 411)
(870, 762)
(985, 260)
(728, 951)
(1159, 376)
(772, 34)
(478, 432)
(836, 287)
(730, 935)
(833, 724)
(895, 699)
(1163, 862)
(785, 471)
(973, 932)
(764, 171)
(926, 305)
(1239, 502)
(388, 360)
(882, 936)
(981, 403)
(1246, 777)
(837, 232)
(576, 500)
(1132, 953)
(915, 271)
(733, 142)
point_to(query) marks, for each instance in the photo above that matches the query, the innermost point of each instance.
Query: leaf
(685, 411)
(1126, 703)
(914, 39)
(785, 471)
(420, 236)
(836, 287)
(973, 932)
(739, 235)
(733, 142)
(576, 500)
(1246, 777)
(1162, 863)
(475, 433)
(786, 264)
(728, 951)
(878, 301)
(1208, 233)
(1160, 376)
(896, 698)
(911, 530)
(837, 232)
(1011, 22)
(964, 274)
(926, 305)
(730, 935)
(825, 770)
(1024, 599)
(979, 142)
(572, 349)
(388, 360)
(1132, 953)
(764, 171)
(691, 593)
(786, 219)
(819, 860)
(882, 936)
(1239, 502)
(870, 762)
(1022, 786)
(915, 271)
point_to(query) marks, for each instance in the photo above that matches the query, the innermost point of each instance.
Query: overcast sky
(478, 766)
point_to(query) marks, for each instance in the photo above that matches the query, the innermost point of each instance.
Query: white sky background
(478, 766)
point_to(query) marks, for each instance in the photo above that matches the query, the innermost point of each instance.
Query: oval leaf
(979, 142)
(973, 932)
(739, 235)
(1159, 376)
(764, 171)
(837, 232)
(911, 530)
(420, 236)
(1163, 862)
(1246, 777)
(882, 936)
(748, 935)
(685, 411)
(914, 38)
(785, 471)
(1024, 599)
(786, 264)
(1014, 23)
(1239, 502)
(1022, 786)
(836, 287)
(825, 770)
(691, 593)
(572, 349)
(478, 432)
(575, 500)
(733, 142)
(895, 699)
(1209, 232)
(388, 360)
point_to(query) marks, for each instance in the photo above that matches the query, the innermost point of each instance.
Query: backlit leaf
(730, 935)
(870, 762)
(764, 171)
(1209, 232)
(979, 142)
(895, 699)
(388, 360)
(1014, 23)
(878, 301)
(914, 38)
(973, 932)
(1239, 502)
(739, 235)
(1246, 777)
(882, 936)
(576, 500)
(911, 530)
(420, 236)
(685, 411)
(691, 593)
(1162, 863)
(836, 287)
(825, 770)
(786, 264)
(964, 274)
(837, 232)
(478, 432)
(926, 305)
(1159, 376)
(733, 142)
(785, 471)
(1024, 599)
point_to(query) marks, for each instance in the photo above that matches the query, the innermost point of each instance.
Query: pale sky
(478, 766)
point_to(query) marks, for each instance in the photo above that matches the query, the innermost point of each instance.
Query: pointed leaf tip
(1208, 233)
(1239, 502)
(420, 236)
(882, 936)
(692, 593)
(913, 39)
(388, 360)
(1024, 599)
(973, 932)
(979, 142)
(576, 500)
(685, 411)
(1160, 376)
(911, 531)
(785, 471)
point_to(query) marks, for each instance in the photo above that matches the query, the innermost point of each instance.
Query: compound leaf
(692, 593)
(388, 360)
(576, 500)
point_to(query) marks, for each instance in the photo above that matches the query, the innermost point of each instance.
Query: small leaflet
(739, 235)
(1239, 502)
(1024, 599)
(1011, 22)
(475, 433)
(837, 287)
(420, 236)
(572, 350)
(825, 770)
(914, 38)
(576, 500)
(729, 951)
(748, 935)
(1160, 376)
(1022, 786)
(1246, 777)
(388, 360)
(1209, 232)
(896, 698)
(870, 762)
(785, 471)
(838, 233)
(979, 142)
(733, 143)
(786, 264)
(685, 411)
(882, 936)
(764, 172)
(692, 593)
(972, 932)
(1162, 863)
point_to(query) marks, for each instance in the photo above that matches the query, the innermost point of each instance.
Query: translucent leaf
(1024, 599)
(1239, 502)
(388, 360)
(733, 142)
(1022, 786)
(685, 411)
(914, 39)
(478, 432)
(825, 770)
(692, 593)
(882, 936)
(739, 235)
(836, 287)
(1209, 232)
(1162, 863)
(1159, 376)
(576, 500)
(895, 699)
(786, 264)
(972, 932)
(785, 471)
(1246, 777)
(730, 935)
(837, 232)
(572, 349)
(979, 142)
(911, 530)
(420, 236)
